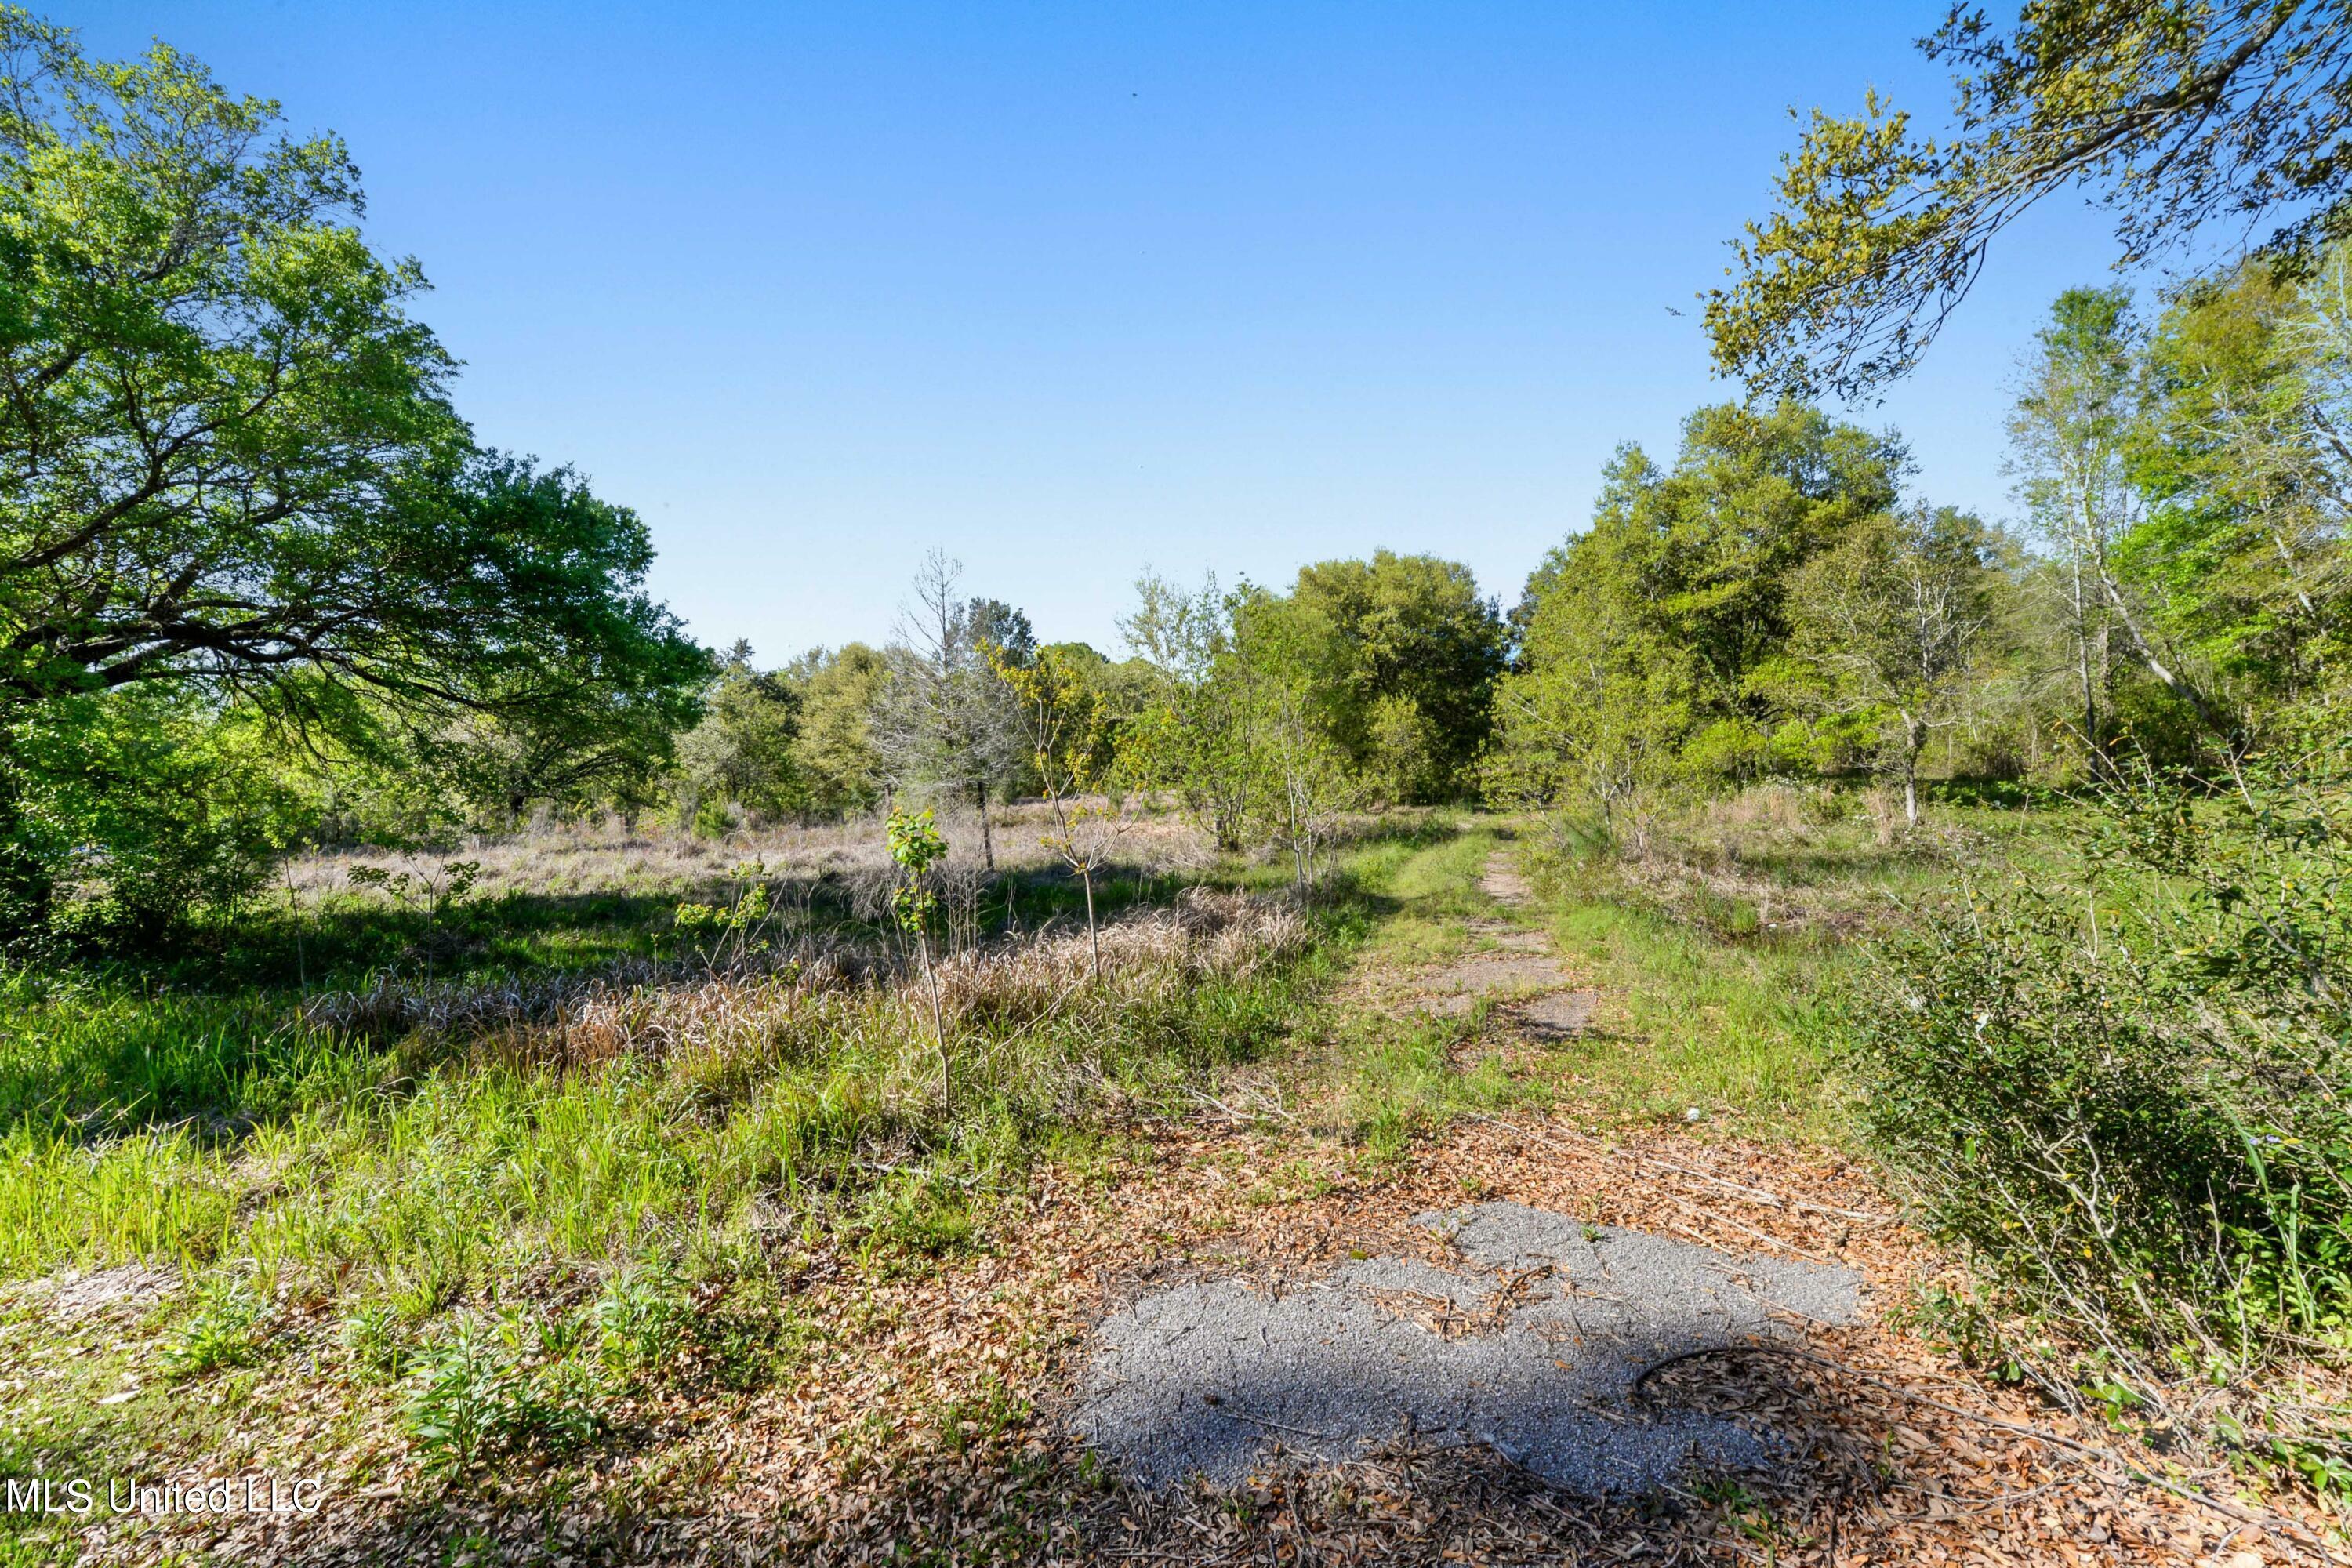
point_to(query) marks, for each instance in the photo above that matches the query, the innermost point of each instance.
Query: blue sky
(1071, 290)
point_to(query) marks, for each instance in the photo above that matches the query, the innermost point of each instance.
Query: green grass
(1690, 1019)
(1709, 1005)
(1390, 1076)
(414, 1222)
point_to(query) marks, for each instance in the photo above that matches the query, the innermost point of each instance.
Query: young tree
(1889, 624)
(1062, 715)
(944, 720)
(1199, 737)
(915, 845)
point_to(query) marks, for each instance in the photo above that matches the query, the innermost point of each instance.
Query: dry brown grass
(606, 857)
(817, 987)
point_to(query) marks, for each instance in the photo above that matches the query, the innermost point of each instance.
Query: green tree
(1305, 781)
(1889, 624)
(1406, 655)
(1652, 651)
(2176, 113)
(2241, 452)
(1198, 735)
(2071, 437)
(834, 752)
(228, 464)
(741, 753)
(915, 845)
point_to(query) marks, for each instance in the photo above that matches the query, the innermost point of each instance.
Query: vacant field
(535, 1231)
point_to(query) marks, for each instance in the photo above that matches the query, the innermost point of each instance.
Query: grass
(489, 1223)
(1724, 943)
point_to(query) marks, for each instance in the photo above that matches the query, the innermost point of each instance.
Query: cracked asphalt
(1531, 1343)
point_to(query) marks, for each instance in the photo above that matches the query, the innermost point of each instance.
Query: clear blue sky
(1069, 289)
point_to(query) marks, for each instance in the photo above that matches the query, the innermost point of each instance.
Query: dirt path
(1627, 1317)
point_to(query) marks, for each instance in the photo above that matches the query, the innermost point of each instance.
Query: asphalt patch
(1530, 1343)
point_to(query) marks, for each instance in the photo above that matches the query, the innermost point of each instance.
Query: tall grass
(676, 1120)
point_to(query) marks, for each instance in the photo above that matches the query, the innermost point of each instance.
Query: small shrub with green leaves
(481, 1393)
(643, 1323)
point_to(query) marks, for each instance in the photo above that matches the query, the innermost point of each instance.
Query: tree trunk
(1914, 739)
(987, 839)
(27, 889)
(2175, 683)
(938, 1028)
(1094, 942)
(2082, 662)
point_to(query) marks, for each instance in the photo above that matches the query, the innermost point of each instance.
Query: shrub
(2123, 1094)
(643, 1321)
(479, 1392)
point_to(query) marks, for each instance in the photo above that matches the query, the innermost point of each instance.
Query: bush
(2123, 1093)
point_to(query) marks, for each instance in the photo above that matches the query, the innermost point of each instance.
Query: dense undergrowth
(2096, 1043)
(2121, 1093)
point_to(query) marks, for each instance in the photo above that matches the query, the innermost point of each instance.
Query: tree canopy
(2176, 114)
(229, 461)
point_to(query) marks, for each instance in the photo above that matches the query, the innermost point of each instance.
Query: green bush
(2123, 1094)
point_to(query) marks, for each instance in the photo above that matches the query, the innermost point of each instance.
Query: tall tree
(834, 751)
(2070, 441)
(742, 751)
(1305, 782)
(1408, 652)
(1659, 623)
(228, 464)
(2244, 450)
(2177, 113)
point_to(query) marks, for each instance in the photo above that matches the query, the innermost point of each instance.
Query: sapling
(1069, 749)
(916, 844)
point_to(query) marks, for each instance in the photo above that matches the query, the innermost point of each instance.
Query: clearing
(1471, 1269)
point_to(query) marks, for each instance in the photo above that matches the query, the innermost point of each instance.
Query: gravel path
(1530, 1342)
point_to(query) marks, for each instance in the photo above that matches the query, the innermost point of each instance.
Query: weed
(223, 1330)
(641, 1320)
(372, 1338)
